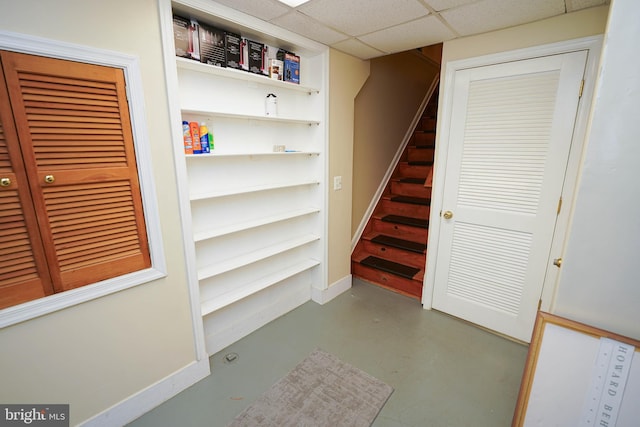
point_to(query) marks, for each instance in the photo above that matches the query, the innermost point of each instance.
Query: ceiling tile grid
(302, 24)
(440, 5)
(573, 5)
(491, 15)
(263, 9)
(370, 28)
(358, 49)
(421, 32)
(358, 17)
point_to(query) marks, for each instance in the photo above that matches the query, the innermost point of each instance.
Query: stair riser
(428, 124)
(410, 171)
(387, 207)
(413, 190)
(415, 234)
(389, 253)
(420, 154)
(412, 288)
(423, 139)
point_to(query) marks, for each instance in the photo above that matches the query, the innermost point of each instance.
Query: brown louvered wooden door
(24, 274)
(73, 125)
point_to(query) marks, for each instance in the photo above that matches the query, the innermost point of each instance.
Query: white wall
(600, 277)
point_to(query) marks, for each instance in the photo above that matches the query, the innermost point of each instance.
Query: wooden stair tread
(390, 267)
(406, 220)
(412, 200)
(395, 242)
(425, 132)
(391, 251)
(408, 287)
(412, 180)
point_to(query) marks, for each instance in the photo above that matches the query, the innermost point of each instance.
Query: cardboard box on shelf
(212, 49)
(291, 68)
(185, 36)
(255, 55)
(291, 62)
(276, 67)
(268, 53)
(232, 45)
(244, 54)
(194, 39)
(181, 36)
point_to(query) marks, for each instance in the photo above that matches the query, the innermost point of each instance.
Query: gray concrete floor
(444, 371)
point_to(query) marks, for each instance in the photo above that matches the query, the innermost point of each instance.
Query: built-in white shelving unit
(256, 218)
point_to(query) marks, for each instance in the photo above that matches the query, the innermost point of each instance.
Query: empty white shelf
(233, 228)
(249, 189)
(255, 256)
(221, 301)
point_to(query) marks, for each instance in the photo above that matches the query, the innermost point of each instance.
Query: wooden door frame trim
(593, 45)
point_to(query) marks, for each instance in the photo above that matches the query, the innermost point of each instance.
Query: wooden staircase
(392, 250)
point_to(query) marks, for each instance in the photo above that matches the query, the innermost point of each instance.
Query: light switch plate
(337, 183)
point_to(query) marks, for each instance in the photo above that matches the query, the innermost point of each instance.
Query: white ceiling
(372, 28)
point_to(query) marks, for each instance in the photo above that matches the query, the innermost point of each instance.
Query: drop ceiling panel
(439, 5)
(491, 15)
(357, 17)
(371, 28)
(421, 32)
(573, 5)
(358, 49)
(302, 24)
(263, 9)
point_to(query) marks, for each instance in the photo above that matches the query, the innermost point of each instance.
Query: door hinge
(559, 205)
(581, 88)
(539, 304)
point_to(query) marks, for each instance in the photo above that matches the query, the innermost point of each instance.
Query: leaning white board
(559, 376)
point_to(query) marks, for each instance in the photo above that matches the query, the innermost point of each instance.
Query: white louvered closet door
(509, 141)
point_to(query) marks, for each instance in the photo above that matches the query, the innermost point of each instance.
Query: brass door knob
(447, 214)
(49, 179)
(5, 182)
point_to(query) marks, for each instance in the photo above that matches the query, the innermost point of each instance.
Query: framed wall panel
(572, 377)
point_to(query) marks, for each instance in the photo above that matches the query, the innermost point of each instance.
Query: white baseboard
(150, 397)
(323, 296)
